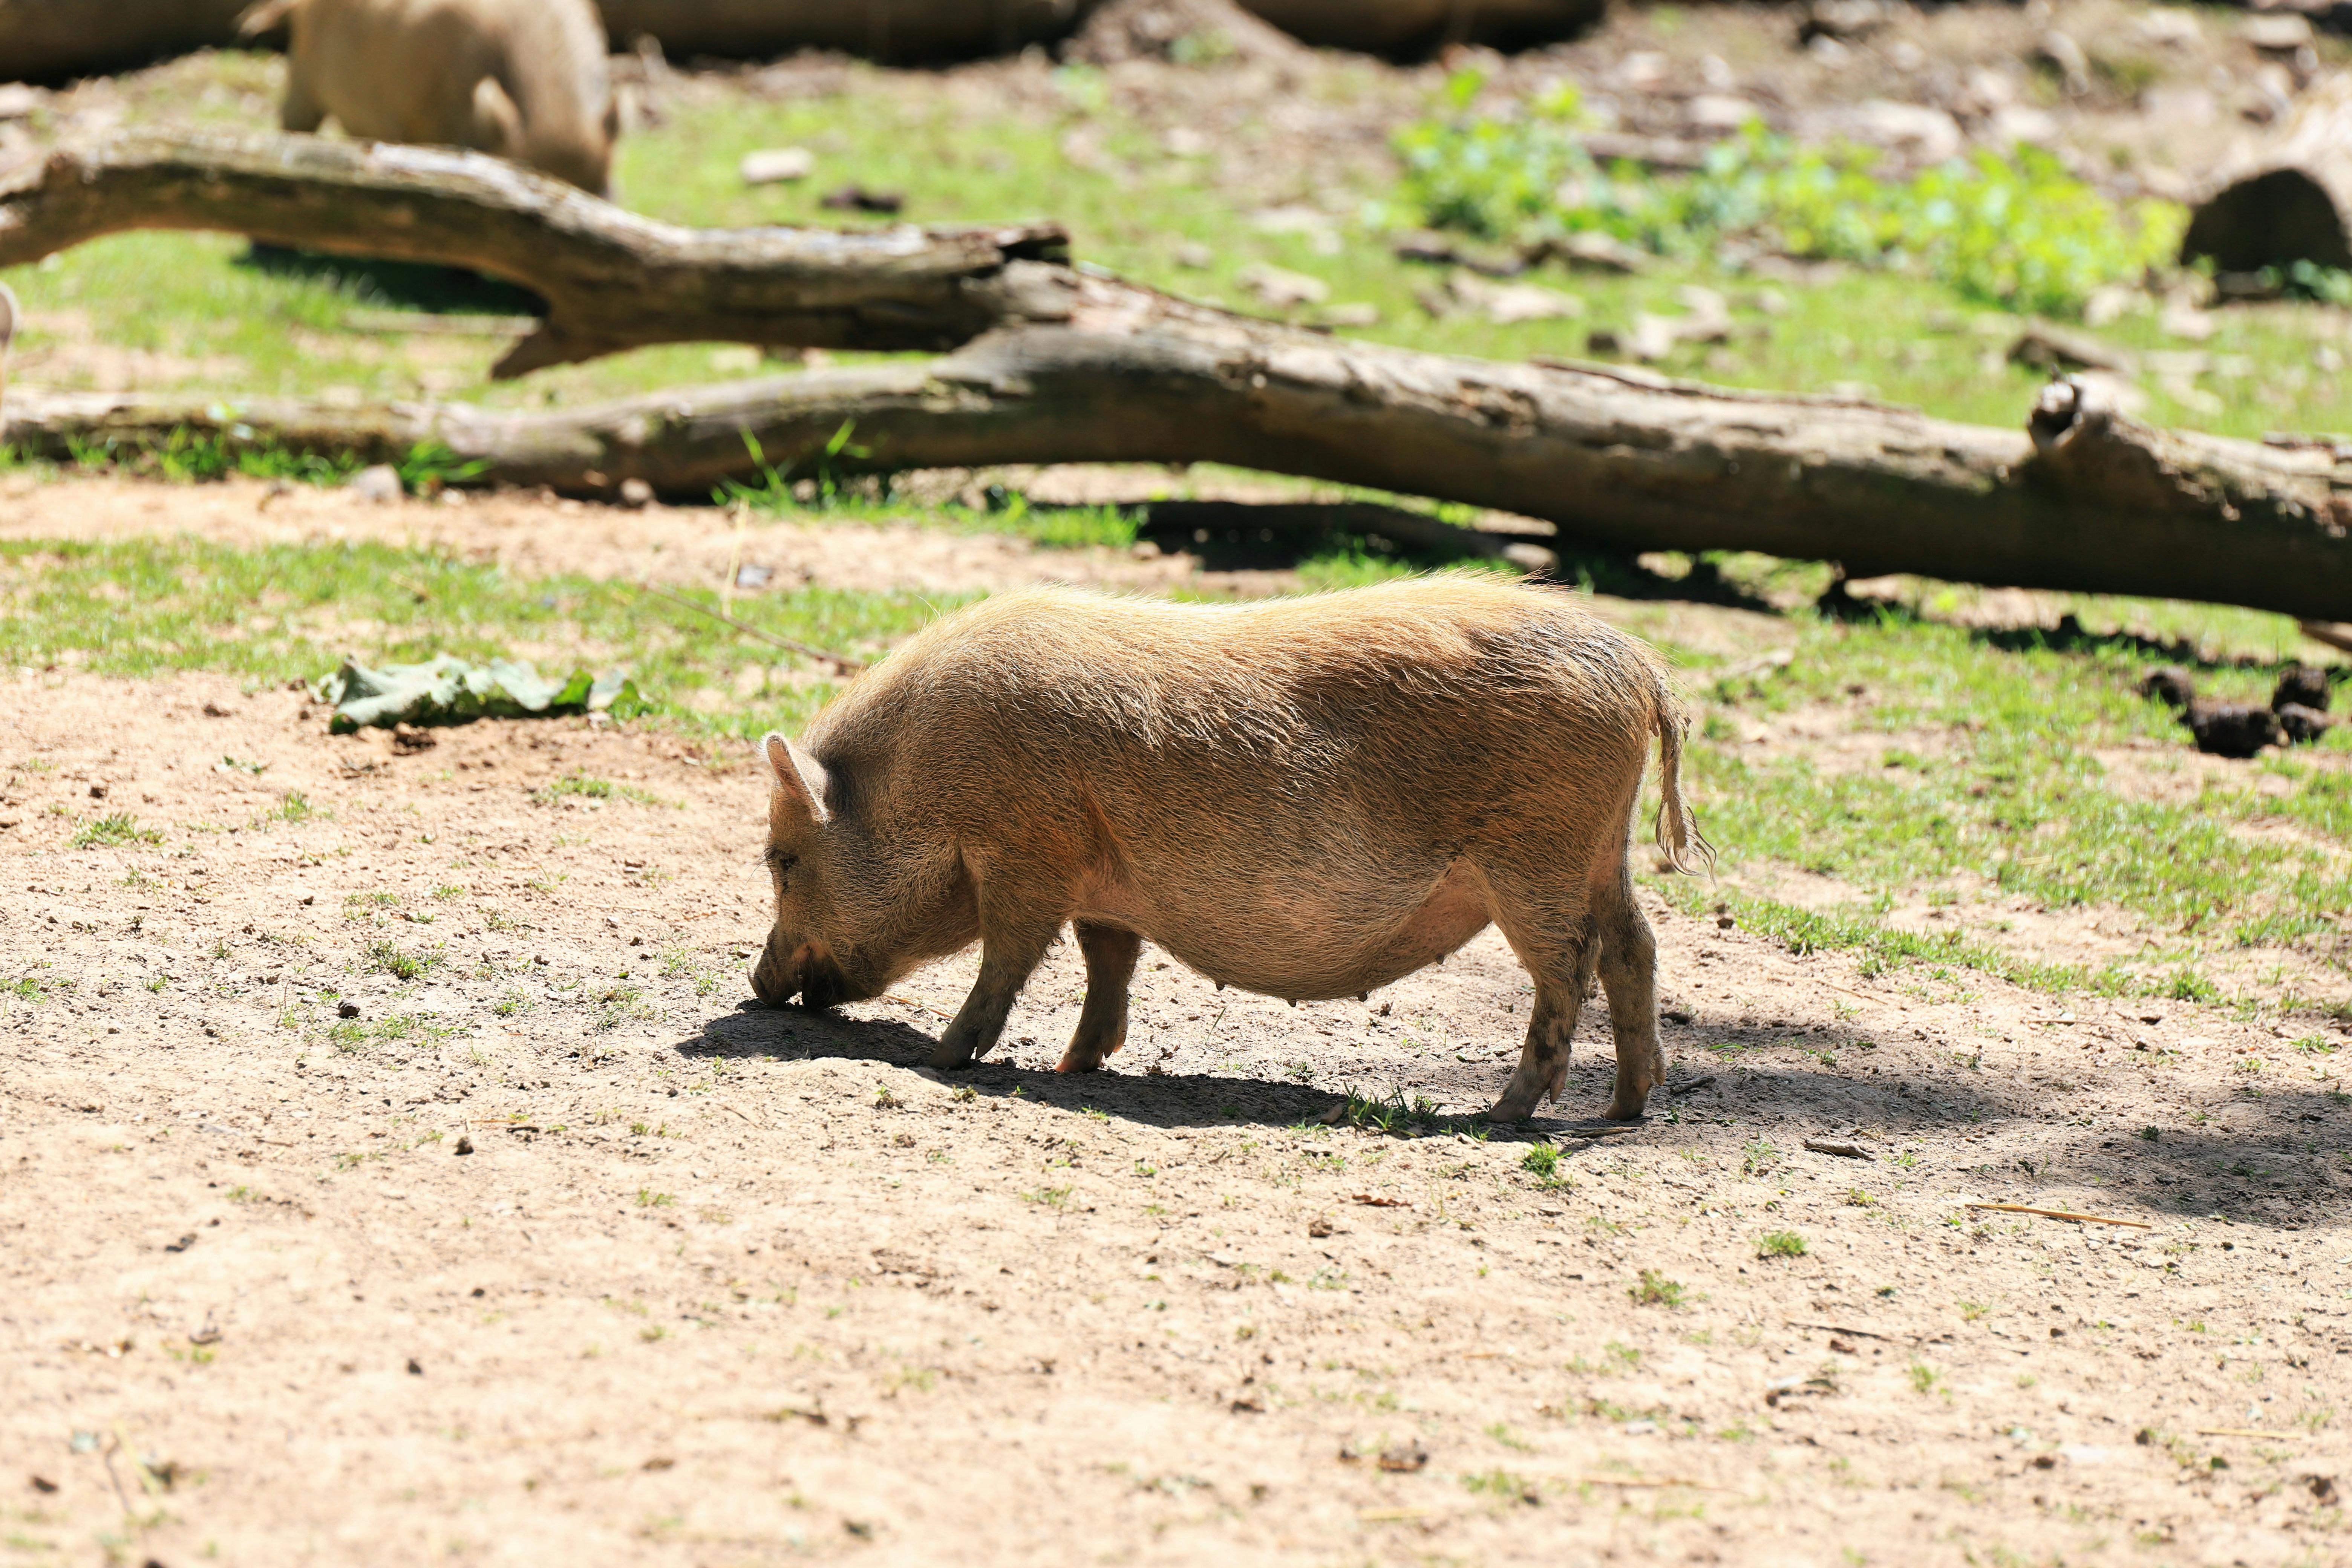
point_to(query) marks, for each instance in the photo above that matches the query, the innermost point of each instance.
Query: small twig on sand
(2241, 1431)
(1857, 1333)
(2061, 1214)
(910, 1002)
(1778, 658)
(1846, 1150)
(1630, 1481)
(846, 664)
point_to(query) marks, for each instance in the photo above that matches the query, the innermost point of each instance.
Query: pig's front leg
(1008, 956)
(1110, 968)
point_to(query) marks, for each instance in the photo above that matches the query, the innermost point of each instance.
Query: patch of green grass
(2015, 802)
(1656, 1291)
(113, 831)
(621, 1004)
(391, 960)
(583, 786)
(294, 807)
(140, 608)
(1542, 1161)
(2015, 228)
(1394, 1112)
(1781, 1244)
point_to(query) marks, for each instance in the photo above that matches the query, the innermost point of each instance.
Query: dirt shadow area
(393, 1168)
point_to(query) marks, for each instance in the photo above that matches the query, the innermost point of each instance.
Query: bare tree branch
(612, 279)
(2086, 500)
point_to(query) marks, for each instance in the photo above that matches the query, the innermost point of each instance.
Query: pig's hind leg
(1110, 956)
(1010, 953)
(1629, 973)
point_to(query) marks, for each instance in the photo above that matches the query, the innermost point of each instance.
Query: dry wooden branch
(612, 279)
(2091, 502)
(2061, 1213)
(842, 662)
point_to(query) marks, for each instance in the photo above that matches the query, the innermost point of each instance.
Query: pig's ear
(797, 774)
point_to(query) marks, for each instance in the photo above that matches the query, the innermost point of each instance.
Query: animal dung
(2233, 728)
(2297, 714)
(2170, 684)
(858, 199)
(2302, 725)
(2303, 686)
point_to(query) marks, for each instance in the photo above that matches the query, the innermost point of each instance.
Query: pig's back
(1426, 697)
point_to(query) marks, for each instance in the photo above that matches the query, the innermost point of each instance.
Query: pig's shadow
(2246, 1174)
(1171, 1099)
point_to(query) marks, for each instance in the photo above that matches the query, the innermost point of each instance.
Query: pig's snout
(784, 973)
(775, 979)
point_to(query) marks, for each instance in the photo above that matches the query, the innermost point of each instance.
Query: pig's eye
(779, 862)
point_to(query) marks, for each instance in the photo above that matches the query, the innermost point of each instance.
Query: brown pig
(525, 80)
(1308, 799)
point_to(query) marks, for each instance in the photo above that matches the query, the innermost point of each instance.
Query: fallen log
(929, 30)
(1407, 28)
(53, 40)
(896, 32)
(2286, 197)
(2085, 500)
(612, 279)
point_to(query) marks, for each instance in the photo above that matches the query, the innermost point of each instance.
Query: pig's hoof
(1626, 1107)
(1508, 1112)
(950, 1056)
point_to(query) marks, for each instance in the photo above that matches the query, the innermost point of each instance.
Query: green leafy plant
(2017, 228)
(775, 492)
(431, 466)
(1781, 1244)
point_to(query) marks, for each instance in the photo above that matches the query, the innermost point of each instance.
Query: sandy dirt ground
(558, 1244)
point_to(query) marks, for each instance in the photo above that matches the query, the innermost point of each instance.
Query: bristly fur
(1305, 797)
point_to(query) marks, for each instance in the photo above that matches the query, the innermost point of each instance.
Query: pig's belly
(1309, 943)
